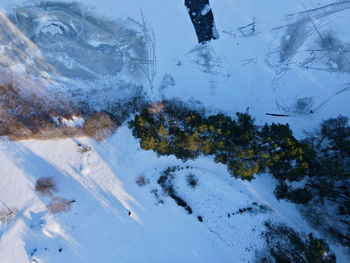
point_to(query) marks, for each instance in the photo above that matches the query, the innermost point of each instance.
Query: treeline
(325, 192)
(284, 244)
(243, 147)
(320, 163)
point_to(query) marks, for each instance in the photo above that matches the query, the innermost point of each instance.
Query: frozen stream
(80, 45)
(97, 63)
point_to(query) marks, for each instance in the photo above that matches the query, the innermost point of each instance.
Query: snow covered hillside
(105, 203)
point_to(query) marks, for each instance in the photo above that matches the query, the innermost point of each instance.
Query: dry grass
(45, 186)
(25, 115)
(99, 126)
(83, 149)
(59, 205)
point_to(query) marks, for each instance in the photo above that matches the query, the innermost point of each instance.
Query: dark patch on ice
(168, 81)
(205, 58)
(80, 45)
(293, 38)
(302, 106)
(300, 27)
(329, 54)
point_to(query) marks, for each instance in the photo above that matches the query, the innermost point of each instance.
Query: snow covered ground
(102, 181)
(98, 227)
(288, 57)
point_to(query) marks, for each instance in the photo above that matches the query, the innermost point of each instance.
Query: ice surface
(97, 63)
(67, 36)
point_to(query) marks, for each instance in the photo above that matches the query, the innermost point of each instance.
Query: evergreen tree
(284, 244)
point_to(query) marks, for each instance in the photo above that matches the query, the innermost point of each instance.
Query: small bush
(7, 215)
(182, 203)
(59, 204)
(165, 181)
(99, 126)
(83, 149)
(141, 180)
(45, 186)
(192, 180)
(298, 195)
(26, 113)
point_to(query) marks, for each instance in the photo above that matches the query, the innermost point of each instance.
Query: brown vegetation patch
(156, 108)
(99, 126)
(45, 186)
(60, 204)
(25, 115)
(142, 180)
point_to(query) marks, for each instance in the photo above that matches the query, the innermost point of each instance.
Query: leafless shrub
(84, 149)
(192, 180)
(45, 186)
(59, 204)
(27, 115)
(156, 108)
(141, 180)
(7, 215)
(99, 126)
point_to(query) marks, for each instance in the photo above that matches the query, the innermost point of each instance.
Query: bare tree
(142, 180)
(99, 126)
(45, 186)
(7, 215)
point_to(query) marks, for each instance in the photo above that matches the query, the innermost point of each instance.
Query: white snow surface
(75, 121)
(205, 10)
(267, 60)
(98, 227)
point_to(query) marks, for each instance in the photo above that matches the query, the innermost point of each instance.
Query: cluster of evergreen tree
(284, 244)
(325, 193)
(320, 163)
(327, 183)
(243, 147)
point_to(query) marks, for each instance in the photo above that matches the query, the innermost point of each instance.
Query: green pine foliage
(284, 244)
(243, 147)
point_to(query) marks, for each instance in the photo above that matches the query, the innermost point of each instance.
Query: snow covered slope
(102, 181)
(98, 227)
(289, 57)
